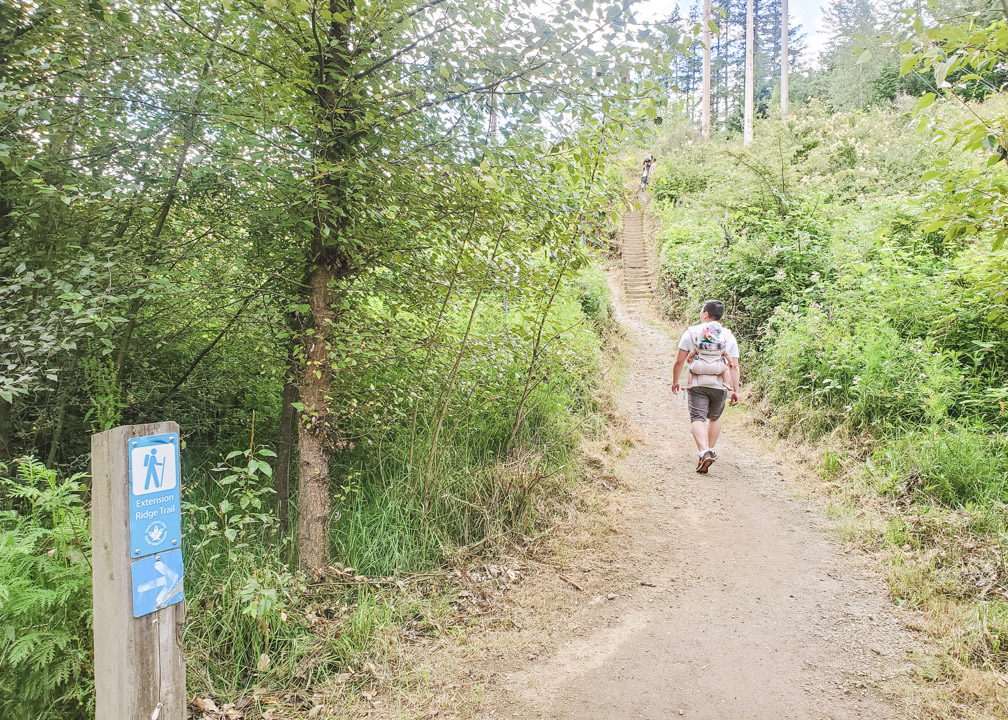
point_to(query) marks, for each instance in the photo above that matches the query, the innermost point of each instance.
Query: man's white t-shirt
(695, 333)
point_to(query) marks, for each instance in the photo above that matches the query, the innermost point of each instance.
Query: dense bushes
(852, 317)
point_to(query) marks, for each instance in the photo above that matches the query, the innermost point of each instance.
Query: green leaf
(864, 57)
(927, 99)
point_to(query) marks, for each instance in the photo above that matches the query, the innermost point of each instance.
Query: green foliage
(768, 253)
(593, 296)
(964, 56)
(392, 518)
(305, 197)
(45, 595)
(238, 586)
(861, 318)
(674, 182)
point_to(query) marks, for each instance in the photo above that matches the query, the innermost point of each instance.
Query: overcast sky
(807, 13)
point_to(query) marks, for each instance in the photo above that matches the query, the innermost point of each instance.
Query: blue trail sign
(155, 513)
(157, 582)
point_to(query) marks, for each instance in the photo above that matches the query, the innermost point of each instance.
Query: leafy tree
(965, 59)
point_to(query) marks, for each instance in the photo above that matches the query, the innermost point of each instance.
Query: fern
(45, 596)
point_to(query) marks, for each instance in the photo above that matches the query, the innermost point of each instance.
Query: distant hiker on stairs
(710, 353)
(647, 171)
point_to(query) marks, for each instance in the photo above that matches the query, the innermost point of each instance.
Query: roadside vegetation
(357, 268)
(871, 333)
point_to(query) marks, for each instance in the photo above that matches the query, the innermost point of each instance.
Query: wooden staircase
(637, 280)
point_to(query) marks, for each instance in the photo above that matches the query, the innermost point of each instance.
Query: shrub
(861, 372)
(593, 296)
(675, 182)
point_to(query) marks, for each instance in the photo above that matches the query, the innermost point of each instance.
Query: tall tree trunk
(705, 121)
(785, 61)
(314, 447)
(747, 132)
(327, 263)
(716, 118)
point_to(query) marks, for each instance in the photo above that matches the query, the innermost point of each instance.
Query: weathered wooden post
(137, 556)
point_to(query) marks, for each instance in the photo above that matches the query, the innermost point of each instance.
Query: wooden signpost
(137, 555)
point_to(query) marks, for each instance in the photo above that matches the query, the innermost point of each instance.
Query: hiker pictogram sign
(155, 483)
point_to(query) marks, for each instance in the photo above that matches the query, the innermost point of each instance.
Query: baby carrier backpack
(709, 355)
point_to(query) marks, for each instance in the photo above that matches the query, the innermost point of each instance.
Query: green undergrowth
(256, 626)
(865, 334)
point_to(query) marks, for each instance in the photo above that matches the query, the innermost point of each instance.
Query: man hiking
(647, 170)
(710, 352)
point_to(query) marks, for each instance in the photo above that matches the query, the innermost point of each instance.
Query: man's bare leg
(700, 434)
(713, 432)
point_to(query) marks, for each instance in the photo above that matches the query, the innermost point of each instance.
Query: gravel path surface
(734, 603)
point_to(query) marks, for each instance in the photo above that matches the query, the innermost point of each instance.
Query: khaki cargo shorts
(705, 403)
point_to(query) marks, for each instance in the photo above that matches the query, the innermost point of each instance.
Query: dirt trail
(733, 602)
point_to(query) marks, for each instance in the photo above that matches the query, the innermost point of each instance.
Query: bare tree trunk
(493, 114)
(717, 119)
(747, 133)
(314, 447)
(705, 97)
(785, 61)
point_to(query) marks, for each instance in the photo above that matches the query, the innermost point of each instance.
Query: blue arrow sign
(155, 492)
(157, 582)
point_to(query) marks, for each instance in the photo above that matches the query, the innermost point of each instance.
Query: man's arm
(677, 370)
(736, 373)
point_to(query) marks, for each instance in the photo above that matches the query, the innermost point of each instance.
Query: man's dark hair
(714, 308)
